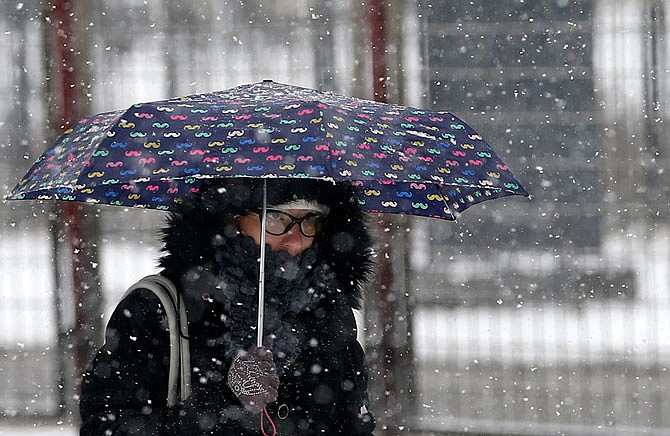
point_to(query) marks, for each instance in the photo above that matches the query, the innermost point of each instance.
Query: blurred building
(553, 310)
(522, 74)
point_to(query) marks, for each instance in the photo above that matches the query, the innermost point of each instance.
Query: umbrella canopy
(153, 155)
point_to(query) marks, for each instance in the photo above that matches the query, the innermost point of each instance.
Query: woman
(310, 377)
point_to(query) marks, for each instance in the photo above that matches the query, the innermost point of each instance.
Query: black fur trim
(204, 222)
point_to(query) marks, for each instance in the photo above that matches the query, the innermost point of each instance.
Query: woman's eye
(316, 221)
(274, 216)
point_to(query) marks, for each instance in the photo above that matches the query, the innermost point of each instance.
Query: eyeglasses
(279, 223)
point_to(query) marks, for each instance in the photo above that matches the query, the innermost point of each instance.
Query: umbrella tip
(268, 80)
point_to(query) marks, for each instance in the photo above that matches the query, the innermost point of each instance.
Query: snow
(122, 263)
(533, 334)
(545, 334)
(37, 430)
(600, 330)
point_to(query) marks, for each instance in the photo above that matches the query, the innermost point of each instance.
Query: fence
(527, 343)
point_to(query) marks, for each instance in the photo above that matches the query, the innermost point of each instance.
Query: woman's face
(293, 241)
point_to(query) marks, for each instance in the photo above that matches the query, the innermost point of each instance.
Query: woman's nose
(294, 242)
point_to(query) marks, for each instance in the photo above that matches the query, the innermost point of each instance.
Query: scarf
(294, 285)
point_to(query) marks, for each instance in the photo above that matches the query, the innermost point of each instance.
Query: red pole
(65, 116)
(377, 24)
(74, 229)
(61, 19)
(387, 301)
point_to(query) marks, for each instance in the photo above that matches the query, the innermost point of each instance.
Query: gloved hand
(253, 378)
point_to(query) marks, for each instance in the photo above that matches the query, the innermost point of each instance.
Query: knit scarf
(293, 285)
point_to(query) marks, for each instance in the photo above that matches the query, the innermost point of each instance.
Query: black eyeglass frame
(293, 222)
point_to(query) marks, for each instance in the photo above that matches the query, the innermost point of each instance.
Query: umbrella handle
(261, 273)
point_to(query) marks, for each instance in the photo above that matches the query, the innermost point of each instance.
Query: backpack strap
(179, 377)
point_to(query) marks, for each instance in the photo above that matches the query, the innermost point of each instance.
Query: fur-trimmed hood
(203, 224)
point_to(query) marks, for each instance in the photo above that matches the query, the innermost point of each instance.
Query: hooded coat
(308, 310)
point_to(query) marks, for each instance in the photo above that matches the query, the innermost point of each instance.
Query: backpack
(179, 377)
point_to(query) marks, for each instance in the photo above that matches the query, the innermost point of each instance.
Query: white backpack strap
(179, 377)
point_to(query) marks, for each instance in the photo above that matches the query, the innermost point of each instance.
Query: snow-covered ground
(37, 430)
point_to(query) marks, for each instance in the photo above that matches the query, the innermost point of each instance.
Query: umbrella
(153, 155)
(401, 159)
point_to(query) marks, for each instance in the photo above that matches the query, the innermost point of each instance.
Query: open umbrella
(153, 155)
(403, 159)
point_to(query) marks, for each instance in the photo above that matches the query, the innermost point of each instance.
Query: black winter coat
(323, 380)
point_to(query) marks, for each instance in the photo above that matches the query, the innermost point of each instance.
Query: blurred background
(541, 317)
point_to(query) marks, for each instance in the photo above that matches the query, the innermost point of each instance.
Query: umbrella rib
(448, 210)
